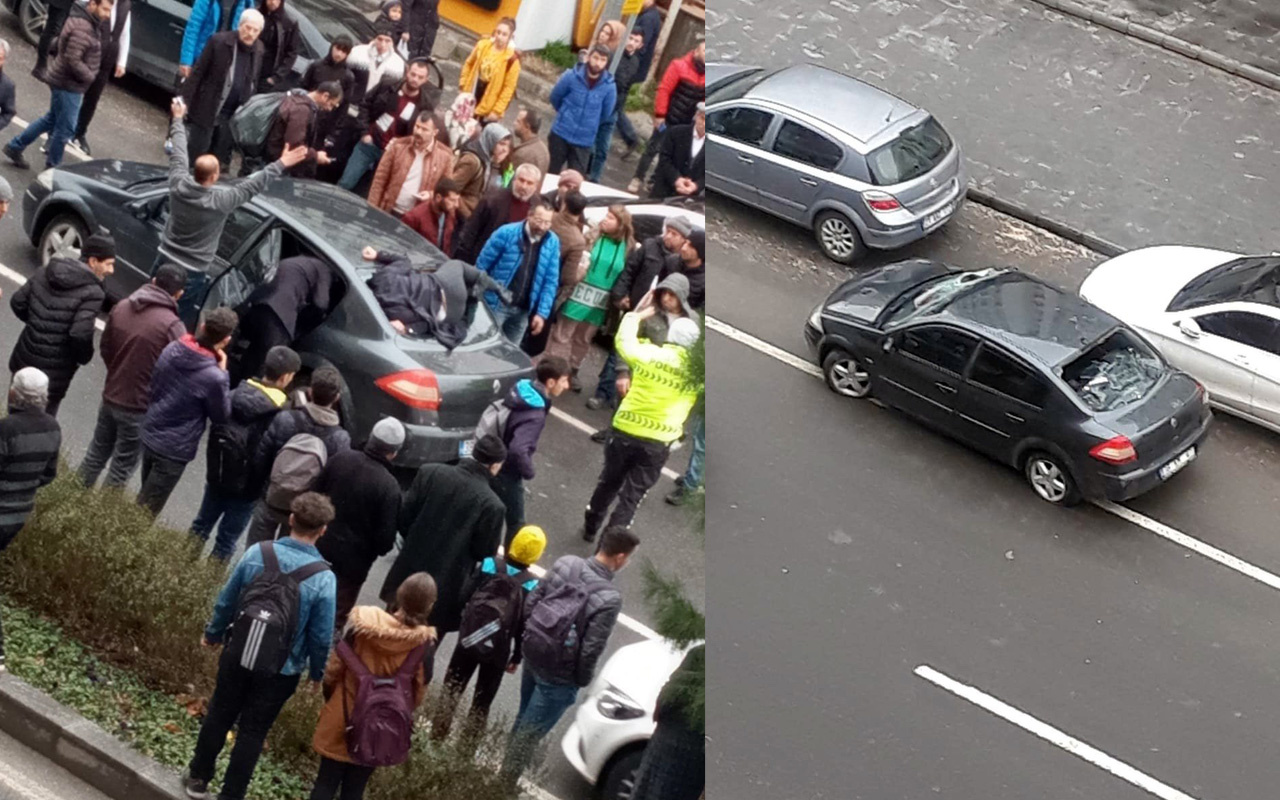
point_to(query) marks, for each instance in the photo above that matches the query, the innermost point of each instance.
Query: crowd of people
(318, 508)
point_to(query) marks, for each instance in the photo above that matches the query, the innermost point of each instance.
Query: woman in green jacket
(588, 304)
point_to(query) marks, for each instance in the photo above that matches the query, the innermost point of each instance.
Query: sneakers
(195, 788)
(596, 403)
(83, 144)
(600, 436)
(15, 156)
(575, 385)
(680, 495)
(634, 186)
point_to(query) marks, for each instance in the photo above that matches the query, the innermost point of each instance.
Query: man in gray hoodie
(198, 211)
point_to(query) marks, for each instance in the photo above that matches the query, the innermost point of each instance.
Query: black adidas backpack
(490, 617)
(267, 617)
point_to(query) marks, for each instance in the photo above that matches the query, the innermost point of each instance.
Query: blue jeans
(59, 122)
(192, 299)
(364, 158)
(626, 130)
(235, 513)
(541, 707)
(604, 136)
(513, 322)
(692, 479)
(607, 389)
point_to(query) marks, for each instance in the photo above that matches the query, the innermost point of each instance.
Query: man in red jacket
(683, 87)
(437, 219)
(137, 331)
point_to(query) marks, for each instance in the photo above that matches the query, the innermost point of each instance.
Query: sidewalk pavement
(1075, 122)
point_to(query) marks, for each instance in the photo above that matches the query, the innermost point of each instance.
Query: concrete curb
(1061, 229)
(81, 747)
(1165, 41)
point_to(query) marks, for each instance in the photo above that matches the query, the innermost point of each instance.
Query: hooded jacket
(660, 400)
(371, 74)
(326, 69)
(367, 499)
(79, 52)
(187, 388)
(678, 285)
(451, 520)
(683, 86)
(393, 170)
(604, 603)
(503, 70)
(205, 20)
(529, 404)
(300, 282)
(500, 259)
(413, 296)
(321, 422)
(580, 107)
(382, 643)
(280, 46)
(474, 167)
(695, 286)
(137, 331)
(253, 406)
(59, 305)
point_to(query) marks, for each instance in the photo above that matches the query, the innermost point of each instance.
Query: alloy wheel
(1047, 479)
(62, 240)
(33, 15)
(849, 378)
(838, 237)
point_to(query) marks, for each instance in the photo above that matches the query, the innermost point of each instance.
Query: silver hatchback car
(857, 165)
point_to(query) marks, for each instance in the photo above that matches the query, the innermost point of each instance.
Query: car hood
(113, 172)
(719, 73)
(641, 670)
(864, 297)
(1140, 283)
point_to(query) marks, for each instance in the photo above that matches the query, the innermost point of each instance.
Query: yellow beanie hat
(528, 545)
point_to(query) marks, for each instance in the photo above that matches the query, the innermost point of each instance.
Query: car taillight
(1118, 450)
(879, 201)
(416, 388)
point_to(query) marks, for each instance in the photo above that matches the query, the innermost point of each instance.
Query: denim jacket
(315, 614)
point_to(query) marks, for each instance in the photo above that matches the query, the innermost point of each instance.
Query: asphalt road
(26, 775)
(850, 546)
(1079, 123)
(130, 125)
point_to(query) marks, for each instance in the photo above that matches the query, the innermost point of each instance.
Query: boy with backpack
(492, 626)
(274, 616)
(294, 450)
(568, 620)
(367, 721)
(229, 489)
(517, 420)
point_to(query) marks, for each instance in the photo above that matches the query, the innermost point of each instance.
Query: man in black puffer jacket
(59, 306)
(279, 46)
(367, 498)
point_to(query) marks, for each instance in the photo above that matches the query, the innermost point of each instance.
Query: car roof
(1032, 318)
(843, 102)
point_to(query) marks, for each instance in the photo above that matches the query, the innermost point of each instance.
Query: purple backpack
(380, 725)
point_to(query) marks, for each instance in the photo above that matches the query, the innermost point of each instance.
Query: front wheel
(32, 15)
(845, 375)
(1050, 479)
(838, 237)
(619, 779)
(64, 236)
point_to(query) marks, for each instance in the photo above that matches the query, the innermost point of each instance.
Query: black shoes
(600, 436)
(574, 383)
(83, 144)
(195, 788)
(15, 156)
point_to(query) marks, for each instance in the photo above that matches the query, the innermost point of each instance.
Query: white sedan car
(1212, 313)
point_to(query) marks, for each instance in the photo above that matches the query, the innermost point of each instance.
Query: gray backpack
(494, 421)
(295, 470)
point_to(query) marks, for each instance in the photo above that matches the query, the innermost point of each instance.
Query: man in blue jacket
(584, 99)
(251, 700)
(206, 20)
(524, 257)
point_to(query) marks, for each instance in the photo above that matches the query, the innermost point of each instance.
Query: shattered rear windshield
(1117, 371)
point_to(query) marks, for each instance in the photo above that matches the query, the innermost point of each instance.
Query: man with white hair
(224, 76)
(29, 444)
(496, 208)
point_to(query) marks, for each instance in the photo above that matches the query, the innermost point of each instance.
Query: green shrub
(641, 96)
(561, 54)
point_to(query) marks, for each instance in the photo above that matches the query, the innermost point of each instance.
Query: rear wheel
(844, 375)
(1050, 479)
(63, 236)
(838, 237)
(32, 15)
(619, 779)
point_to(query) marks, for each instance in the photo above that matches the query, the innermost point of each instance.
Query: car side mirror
(887, 345)
(139, 209)
(1189, 328)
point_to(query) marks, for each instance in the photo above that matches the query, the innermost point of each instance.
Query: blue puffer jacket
(203, 23)
(580, 109)
(501, 256)
(187, 388)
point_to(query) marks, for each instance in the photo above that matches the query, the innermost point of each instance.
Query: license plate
(939, 216)
(465, 448)
(1168, 470)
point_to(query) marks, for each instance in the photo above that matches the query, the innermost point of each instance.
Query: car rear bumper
(1128, 485)
(425, 444)
(881, 236)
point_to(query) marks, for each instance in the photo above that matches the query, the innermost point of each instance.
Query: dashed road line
(1052, 735)
(1148, 524)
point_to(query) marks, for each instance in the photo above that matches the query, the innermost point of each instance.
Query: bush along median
(103, 610)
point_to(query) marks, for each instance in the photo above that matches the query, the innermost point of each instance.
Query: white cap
(389, 431)
(683, 332)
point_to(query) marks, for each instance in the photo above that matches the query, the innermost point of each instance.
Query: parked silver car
(859, 166)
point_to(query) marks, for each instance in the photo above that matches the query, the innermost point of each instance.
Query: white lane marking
(1052, 735)
(634, 624)
(71, 150)
(1127, 514)
(588, 430)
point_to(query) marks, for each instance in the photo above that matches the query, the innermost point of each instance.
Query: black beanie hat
(99, 246)
(489, 450)
(699, 241)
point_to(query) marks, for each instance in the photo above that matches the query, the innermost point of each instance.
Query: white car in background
(614, 721)
(1212, 313)
(648, 216)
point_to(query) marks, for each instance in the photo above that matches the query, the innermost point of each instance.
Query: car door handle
(746, 160)
(1013, 417)
(944, 388)
(808, 181)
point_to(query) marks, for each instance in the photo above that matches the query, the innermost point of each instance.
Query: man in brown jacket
(410, 168)
(529, 147)
(138, 329)
(295, 126)
(567, 226)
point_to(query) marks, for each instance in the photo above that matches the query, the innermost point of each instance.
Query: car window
(1001, 373)
(1255, 279)
(239, 225)
(914, 152)
(233, 286)
(746, 125)
(1115, 372)
(796, 141)
(738, 86)
(1252, 330)
(944, 348)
